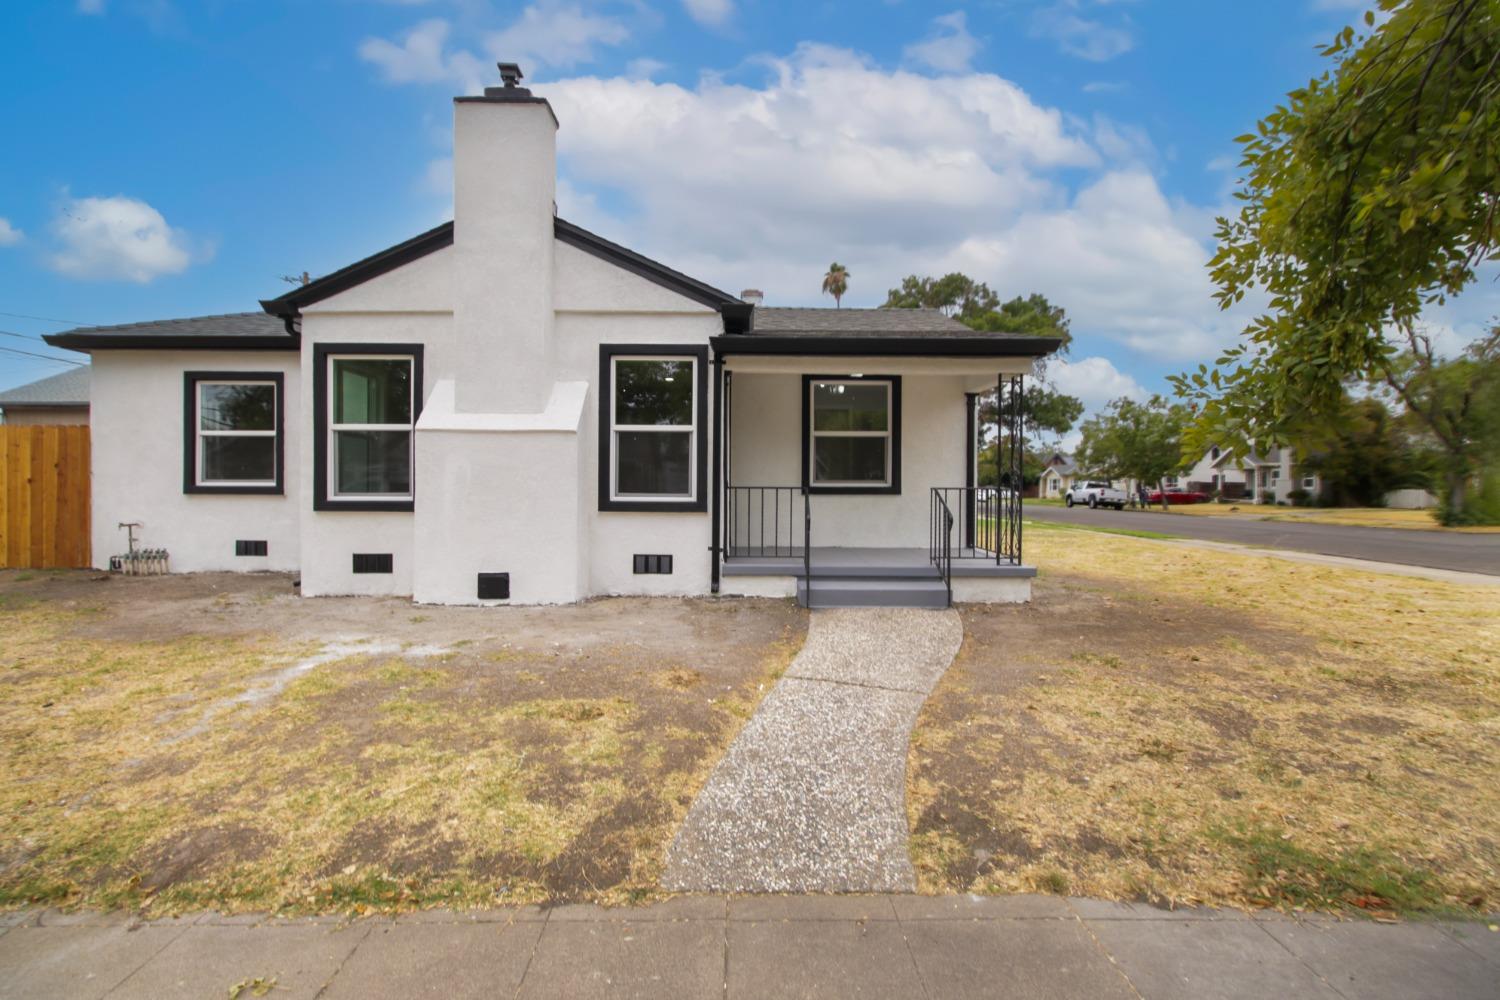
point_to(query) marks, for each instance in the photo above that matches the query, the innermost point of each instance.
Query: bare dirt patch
(1188, 726)
(214, 740)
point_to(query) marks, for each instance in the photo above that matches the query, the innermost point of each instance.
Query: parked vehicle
(1096, 494)
(1178, 496)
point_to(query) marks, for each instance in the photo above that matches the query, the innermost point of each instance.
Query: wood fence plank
(51, 438)
(85, 491)
(4, 496)
(44, 497)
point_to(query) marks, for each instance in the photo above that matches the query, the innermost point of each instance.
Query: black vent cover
(372, 562)
(250, 547)
(494, 586)
(653, 564)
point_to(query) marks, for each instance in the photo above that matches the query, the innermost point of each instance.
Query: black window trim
(893, 488)
(607, 354)
(321, 351)
(190, 453)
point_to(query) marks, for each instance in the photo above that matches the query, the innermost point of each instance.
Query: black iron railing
(762, 521)
(991, 522)
(940, 539)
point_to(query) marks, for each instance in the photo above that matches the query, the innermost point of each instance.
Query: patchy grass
(169, 748)
(1191, 726)
(1106, 529)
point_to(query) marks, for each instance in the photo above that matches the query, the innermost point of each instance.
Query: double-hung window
(652, 411)
(367, 400)
(852, 440)
(232, 432)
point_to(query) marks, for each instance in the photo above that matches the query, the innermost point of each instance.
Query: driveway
(1469, 553)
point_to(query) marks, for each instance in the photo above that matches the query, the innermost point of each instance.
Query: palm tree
(836, 282)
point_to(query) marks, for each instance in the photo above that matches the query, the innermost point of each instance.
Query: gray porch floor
(852, 562)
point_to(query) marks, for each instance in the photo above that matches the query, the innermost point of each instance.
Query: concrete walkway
(812, 795)
(904, 947)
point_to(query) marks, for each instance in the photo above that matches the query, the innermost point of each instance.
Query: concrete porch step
(867, 592)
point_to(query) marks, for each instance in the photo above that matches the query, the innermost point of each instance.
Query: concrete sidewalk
(755, 946)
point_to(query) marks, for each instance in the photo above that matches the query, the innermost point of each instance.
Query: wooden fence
(44, 497)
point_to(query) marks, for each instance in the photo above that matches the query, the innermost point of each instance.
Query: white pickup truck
(1095, 494)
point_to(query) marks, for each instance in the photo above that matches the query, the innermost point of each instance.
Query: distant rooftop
(232, 330)
(69, 388)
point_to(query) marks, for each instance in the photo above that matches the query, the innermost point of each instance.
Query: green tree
(1361, 452)
(1369, 195)
(955, 294)
(1140, 441)
(836, 283)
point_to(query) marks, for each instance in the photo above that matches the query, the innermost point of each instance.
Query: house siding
(137, 473)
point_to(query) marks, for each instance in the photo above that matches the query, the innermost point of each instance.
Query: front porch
(873, 519)
(836, 576)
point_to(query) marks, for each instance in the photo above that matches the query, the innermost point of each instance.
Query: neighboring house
(56, 399)
(1268, 479)
(1058, 473)
(510, 407)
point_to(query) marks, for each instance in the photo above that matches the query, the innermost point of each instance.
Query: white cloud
(644, 68)
(949, 49)
(556, 35)
(831, 157)
(9, 235)
(421, 57)
(714, 13)
(91, 6)
(895, 173)
(1094, 380)
(1105, 87)
(117, 238)
(1079, 36)
(547, 34)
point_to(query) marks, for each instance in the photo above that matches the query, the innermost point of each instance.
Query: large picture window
(652, 412)
(367, 400)
(852, 434)
(232, 439)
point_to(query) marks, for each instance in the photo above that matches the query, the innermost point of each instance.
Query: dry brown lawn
(1186, 726)
(215, 741)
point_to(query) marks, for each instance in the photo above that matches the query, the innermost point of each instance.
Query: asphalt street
(1461, 551)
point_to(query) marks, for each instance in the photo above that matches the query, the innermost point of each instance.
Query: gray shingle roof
(783, 322)
(69, 388)
(771, 321)
(250, 329)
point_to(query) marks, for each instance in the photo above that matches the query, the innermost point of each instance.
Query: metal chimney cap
(754, 296)
(510, 73)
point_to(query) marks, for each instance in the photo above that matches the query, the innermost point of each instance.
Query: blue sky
(166, 158)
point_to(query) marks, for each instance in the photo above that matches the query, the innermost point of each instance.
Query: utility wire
(44, 357)
(44, 319)
(21, 336)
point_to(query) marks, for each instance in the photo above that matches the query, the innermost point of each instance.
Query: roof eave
(888, 346)
(95, 341)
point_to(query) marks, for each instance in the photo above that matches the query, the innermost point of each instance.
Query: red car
(1177, 496)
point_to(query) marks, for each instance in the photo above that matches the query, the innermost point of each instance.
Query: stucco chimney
(504, 184)
(754, 296)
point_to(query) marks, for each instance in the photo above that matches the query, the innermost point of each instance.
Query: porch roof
(874, 333)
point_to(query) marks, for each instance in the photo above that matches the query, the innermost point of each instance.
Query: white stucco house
(511, 408)
(1058, 473)
(1265, 479)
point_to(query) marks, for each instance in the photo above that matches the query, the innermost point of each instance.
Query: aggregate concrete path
(811, 796)
(908, 947)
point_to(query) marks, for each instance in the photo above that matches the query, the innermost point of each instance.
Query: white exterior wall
(330, 538)
(766, 450)
(597, 304)
(136, 443)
